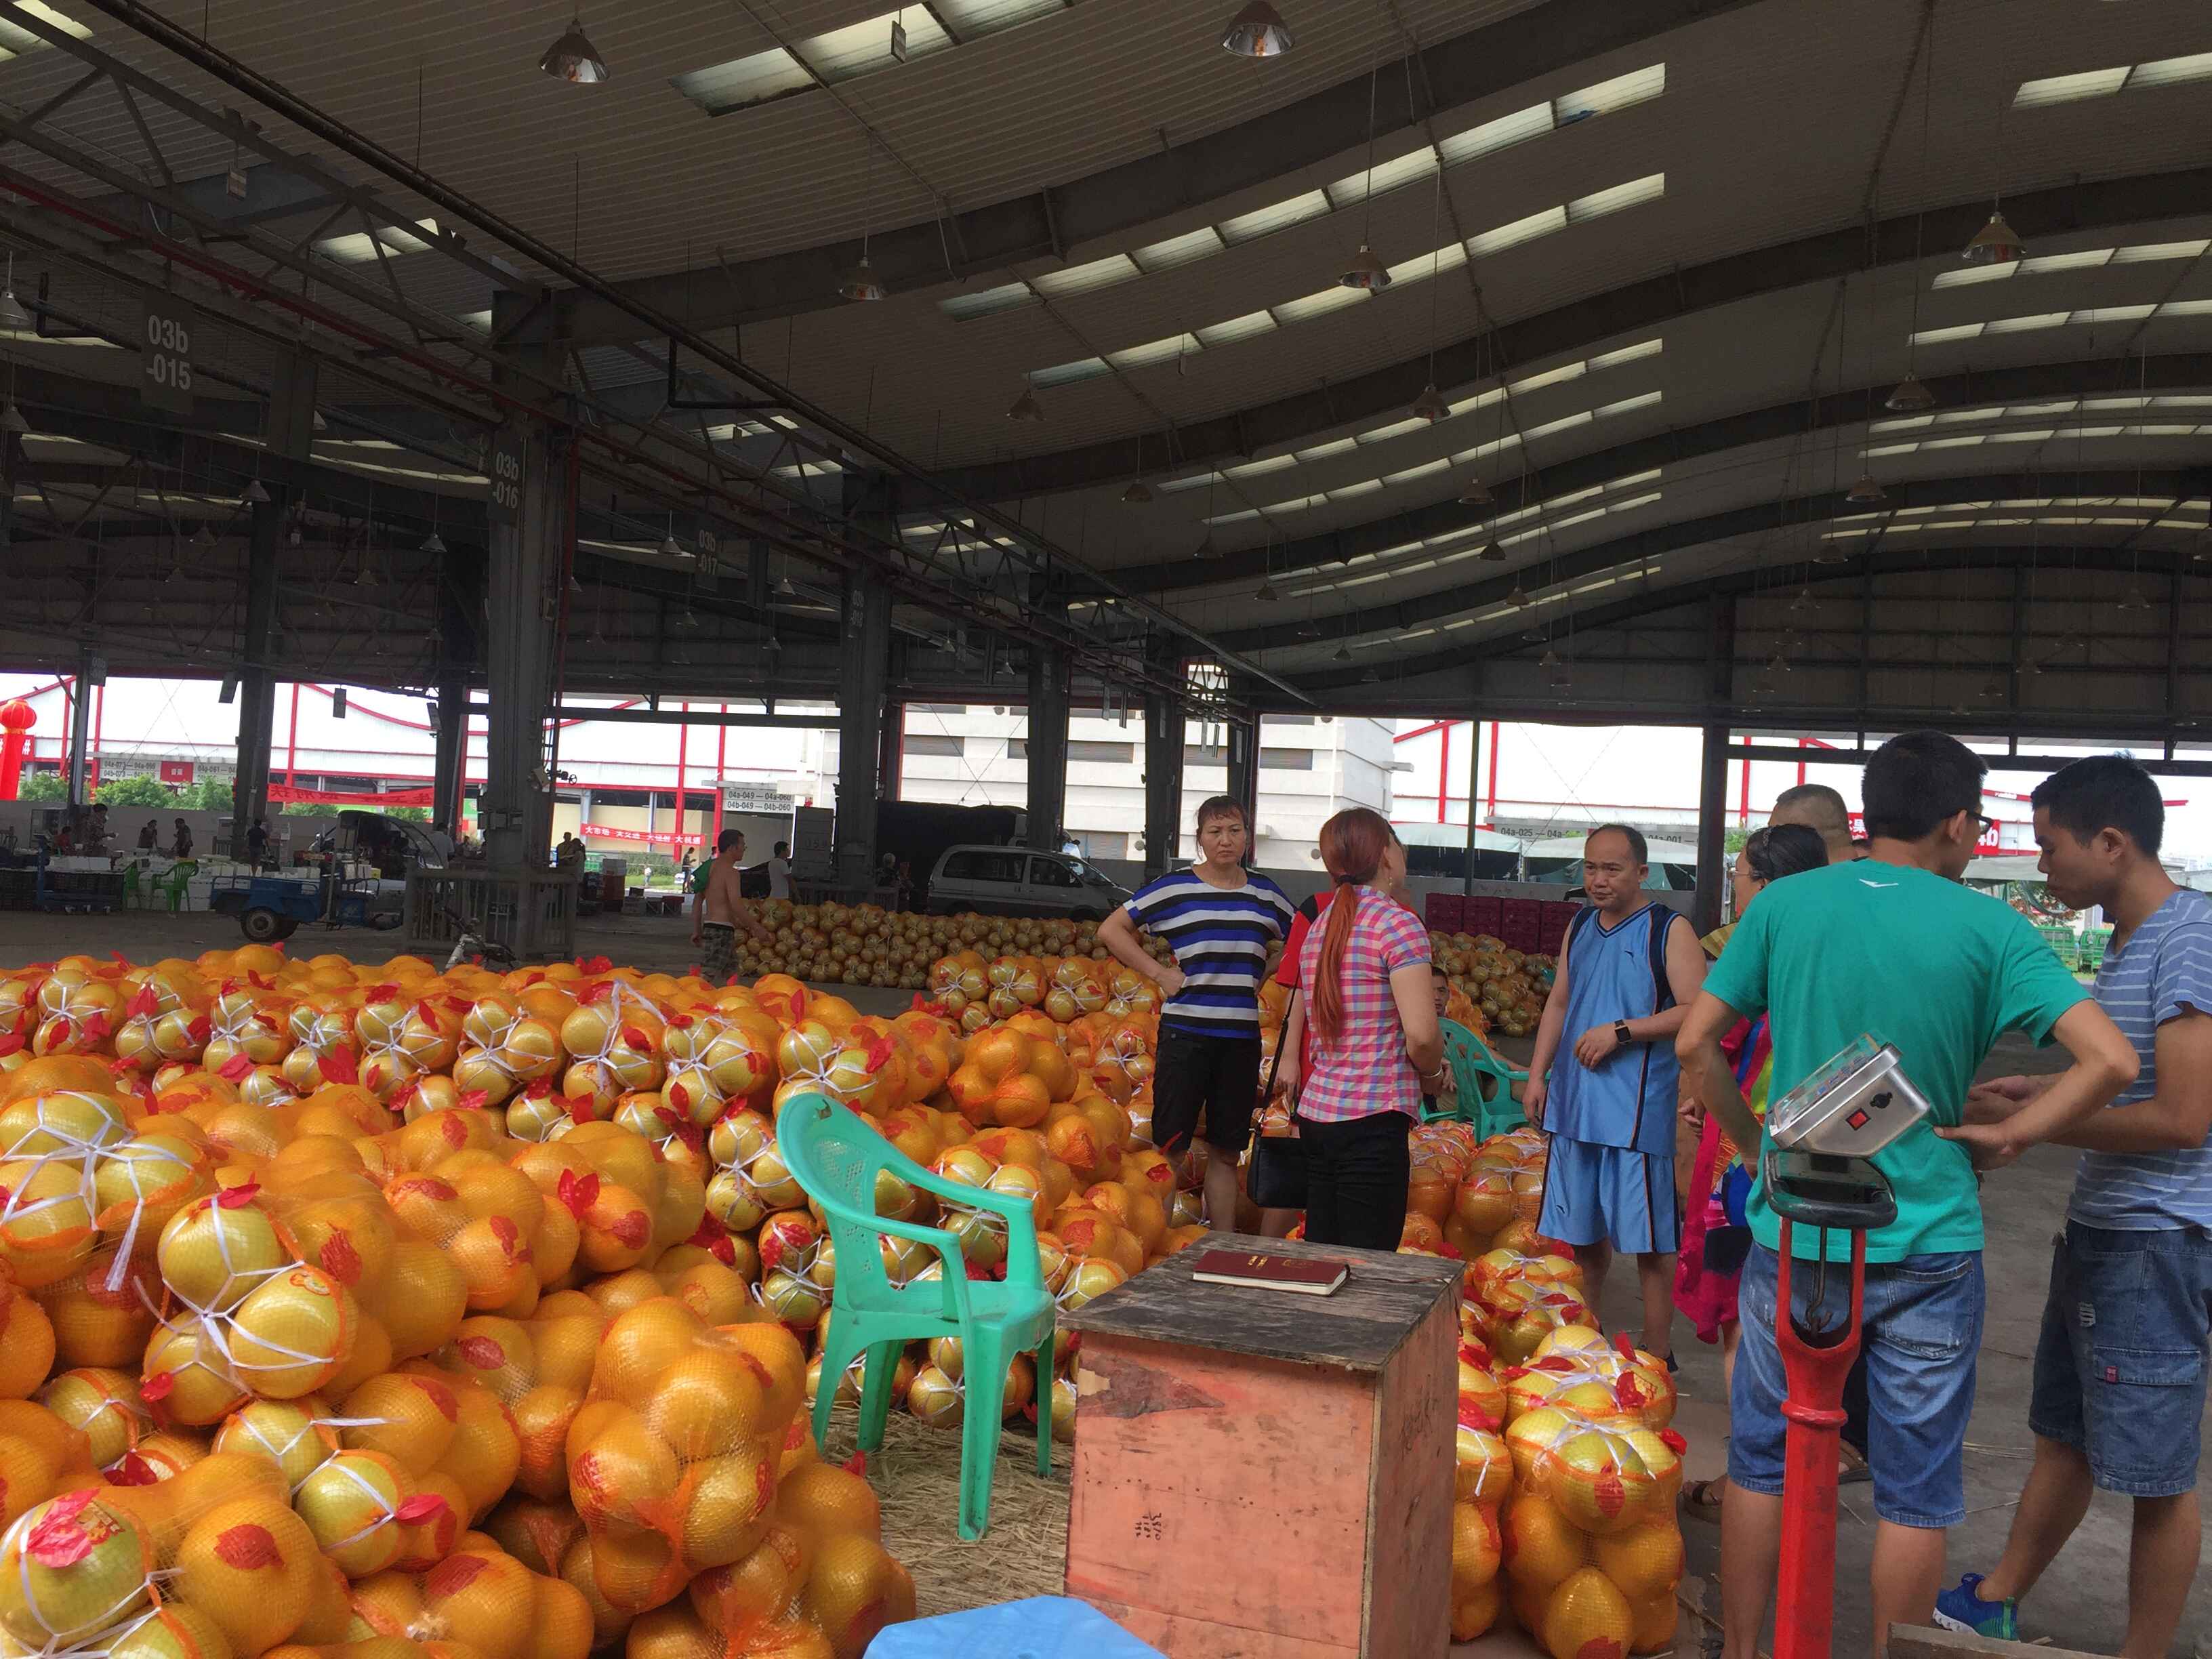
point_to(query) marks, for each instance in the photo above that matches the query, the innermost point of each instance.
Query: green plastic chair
(1485, 1081)
(133, 899)
(175, 884)
(835, 1157)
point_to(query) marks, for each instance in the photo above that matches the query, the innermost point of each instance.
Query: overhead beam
(1653, 302)
(696, 717)
(1856, 567)
(2013, 763)
(1673, 449)
(1530, 44)
(1764, 518)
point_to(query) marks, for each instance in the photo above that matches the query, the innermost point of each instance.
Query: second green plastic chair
(837, 1157)
(1485, 1081)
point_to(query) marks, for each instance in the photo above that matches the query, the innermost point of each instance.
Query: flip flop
(1701, 1501)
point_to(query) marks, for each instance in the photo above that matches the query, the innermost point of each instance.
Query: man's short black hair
(2105, 791)
(1639, 848)
(1917, 780)
(728, 839)
(783, 849)
(1437, 971)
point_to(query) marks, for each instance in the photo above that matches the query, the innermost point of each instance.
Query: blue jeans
(1921, 1335)
(2120, 1368)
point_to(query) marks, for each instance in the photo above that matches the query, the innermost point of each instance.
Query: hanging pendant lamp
(1026, 407)
(573, 58)
(1430, 406)
(1866, 492)
(1365, 272)
(1258, 31)
(1994, 244)
(862, 284)
(1910, 398)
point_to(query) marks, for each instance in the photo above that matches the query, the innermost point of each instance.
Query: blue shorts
(1594, 1193)
(1921, 1335)
(2119, 1370)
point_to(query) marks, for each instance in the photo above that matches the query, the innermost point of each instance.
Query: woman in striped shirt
(1375, 1047)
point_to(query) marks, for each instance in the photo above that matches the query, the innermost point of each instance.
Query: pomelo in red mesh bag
(1604, 1480)
(1622, 1386)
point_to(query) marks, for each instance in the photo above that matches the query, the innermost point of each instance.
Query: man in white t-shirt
(779, 871)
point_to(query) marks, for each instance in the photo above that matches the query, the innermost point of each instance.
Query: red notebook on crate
(1270, 1273)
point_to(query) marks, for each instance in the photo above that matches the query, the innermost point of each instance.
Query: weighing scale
(1818, 1174)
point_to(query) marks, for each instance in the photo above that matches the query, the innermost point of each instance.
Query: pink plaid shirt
(1364, 1071)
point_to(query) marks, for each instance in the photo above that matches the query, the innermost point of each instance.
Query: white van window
(983, 866)
(1051, 872)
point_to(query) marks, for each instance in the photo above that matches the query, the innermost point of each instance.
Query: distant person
(569, 854)
(1602, 1084)
(150, 838)
(2119, 1396)
(96, 834)
(1445, 1096)
(1219, 918)
(181, 848)
(1894, 947)
(721, 909)
(684, 869)
(1376, 1048)
(1820, 809)
(779, 871)
(1072, 847)
(257, 845)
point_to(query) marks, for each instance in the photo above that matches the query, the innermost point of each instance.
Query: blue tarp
(1042, 1628)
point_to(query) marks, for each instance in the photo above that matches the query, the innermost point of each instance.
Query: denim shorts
(2119, 1370)
(1921, 1335)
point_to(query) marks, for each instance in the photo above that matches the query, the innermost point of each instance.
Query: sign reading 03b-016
(503, 503)
(165, 354)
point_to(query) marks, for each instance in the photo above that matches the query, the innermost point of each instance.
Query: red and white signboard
(179, 773)
(609, 832)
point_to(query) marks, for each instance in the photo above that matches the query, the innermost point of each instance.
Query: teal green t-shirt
(1908, 958)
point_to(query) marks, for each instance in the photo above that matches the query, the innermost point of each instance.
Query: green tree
(43, 785)
(205, 795)
(141, 790)
(1736, 839)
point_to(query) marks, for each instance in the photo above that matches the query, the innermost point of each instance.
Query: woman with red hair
(1375, 1046)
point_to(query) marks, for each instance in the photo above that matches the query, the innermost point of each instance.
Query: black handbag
(1275, 1166)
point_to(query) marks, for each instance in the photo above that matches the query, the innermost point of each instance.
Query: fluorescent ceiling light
(856, 50)
(15, 40)
(1082, 279)
(357, 248)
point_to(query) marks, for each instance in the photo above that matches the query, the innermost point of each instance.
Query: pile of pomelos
(342, 1306)
(1567, 1469)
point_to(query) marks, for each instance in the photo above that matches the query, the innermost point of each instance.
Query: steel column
(1473, 781)
(1242, 740)
(1712, 823)
(861, 679)
(1164, 735)
(80, 725)
(1048, 749)
(450, 758)
(256, 679)
(524, 566)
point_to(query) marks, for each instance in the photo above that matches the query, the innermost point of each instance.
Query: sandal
(1851, 1468)
(1701, 1501)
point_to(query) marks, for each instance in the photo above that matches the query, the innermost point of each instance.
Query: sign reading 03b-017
(165, 354)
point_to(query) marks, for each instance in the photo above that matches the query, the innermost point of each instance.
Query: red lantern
(16, 720)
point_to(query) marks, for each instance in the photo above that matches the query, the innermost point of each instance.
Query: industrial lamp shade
(256, 493)
(1258, 31)
(434, 543)
(13, 317)
(1518, 597)
(573, 58)
(1343, 654)
(1910, 398)
(1994, 244)
(1366, 272)
(2135, 599)
(1491, 554)
(1548, 661)
(861, 283)
(1267, 595)
(1026, 407)
(202, 536)
(1369, 677)
(1430, 405)
(12, 420)
(1477, 493)
(1138, 494)
(1866, 492)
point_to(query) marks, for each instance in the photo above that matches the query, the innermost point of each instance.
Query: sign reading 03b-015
(165, 354)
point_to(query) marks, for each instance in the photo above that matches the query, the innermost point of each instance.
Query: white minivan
(1014, 881)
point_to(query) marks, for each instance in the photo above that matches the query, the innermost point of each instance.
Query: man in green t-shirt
(1893, 948)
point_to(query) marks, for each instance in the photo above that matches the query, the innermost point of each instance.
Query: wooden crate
(1264, 1475)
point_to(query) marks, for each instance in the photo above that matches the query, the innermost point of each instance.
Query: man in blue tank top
(1602, 1084)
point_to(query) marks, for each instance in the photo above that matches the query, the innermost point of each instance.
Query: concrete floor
(2083, 1603)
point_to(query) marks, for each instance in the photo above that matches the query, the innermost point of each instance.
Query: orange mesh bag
(1621, 1386)
(52, 1146)
(1604, 1480)
(480, 1602)
(671, 1461)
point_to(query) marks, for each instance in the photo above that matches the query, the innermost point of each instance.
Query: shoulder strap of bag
(1662, 988)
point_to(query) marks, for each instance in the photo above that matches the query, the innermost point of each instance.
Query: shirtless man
(719, 910)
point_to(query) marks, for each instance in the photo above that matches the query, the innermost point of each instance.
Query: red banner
(178, 772)
(608, 832)
(283, 794)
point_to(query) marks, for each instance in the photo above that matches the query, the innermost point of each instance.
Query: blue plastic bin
(1042, 1627)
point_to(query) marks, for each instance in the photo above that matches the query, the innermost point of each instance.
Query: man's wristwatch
(1621, 1033)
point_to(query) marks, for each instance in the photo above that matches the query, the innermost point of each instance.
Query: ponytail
(1352, 843)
